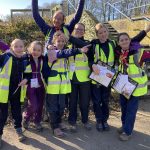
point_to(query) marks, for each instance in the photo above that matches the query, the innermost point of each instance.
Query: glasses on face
(78, 29)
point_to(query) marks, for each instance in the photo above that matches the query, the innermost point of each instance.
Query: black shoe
(99, 127)
(120, 130)
(106, 126)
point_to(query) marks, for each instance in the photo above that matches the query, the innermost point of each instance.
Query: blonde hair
(34, 43)
(60, 34)
(14, 42)
(100, 26)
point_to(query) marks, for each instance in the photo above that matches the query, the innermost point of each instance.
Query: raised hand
(51, 47)
(52, 55)
(147, 28)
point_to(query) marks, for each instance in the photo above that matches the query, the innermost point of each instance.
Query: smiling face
(58, 19)
(124, 41)
(60, 42)
(102, 34)
(17, 46)
(35, 49)
(79, 30)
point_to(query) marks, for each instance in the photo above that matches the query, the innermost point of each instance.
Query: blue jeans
(100, 98)
(128, 109)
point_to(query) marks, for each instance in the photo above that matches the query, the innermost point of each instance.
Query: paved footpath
(86, 140)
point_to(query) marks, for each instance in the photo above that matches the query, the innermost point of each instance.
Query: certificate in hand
(124, 85)
(105, 76)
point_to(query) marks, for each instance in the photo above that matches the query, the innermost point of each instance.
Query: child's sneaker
(58, 133)
(124, 137)
(25, 124)
(38, 127)
(20, 135)
(73, 128)
(87, 126)
(0, 141)
(62, 126)
(99, 127)
(106, 126)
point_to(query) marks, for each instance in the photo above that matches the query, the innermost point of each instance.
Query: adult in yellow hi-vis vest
(79, 71)
(58, 21)
(130, 55)
(103, 50)
(14, 73)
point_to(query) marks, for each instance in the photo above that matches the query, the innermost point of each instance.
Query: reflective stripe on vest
(102, 57)
(138, 75)
(59, 84)
(82, 69)
(5, 82)
(65, 30)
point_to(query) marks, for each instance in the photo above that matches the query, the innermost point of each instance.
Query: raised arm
(141, 35)
(3, 46)
(78, 42)
(38, 19)
(77, 16)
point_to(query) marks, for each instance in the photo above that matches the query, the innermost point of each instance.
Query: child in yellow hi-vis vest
(129, 54)
(58, 85)
(14, 75)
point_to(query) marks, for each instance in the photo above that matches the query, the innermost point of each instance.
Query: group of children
(64, 72)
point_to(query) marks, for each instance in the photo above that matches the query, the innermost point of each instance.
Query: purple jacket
(3, 46)
(45, 28)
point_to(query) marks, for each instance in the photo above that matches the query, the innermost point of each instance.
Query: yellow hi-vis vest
(59, 84)
(1, 52)
(82, 69)
(5, 82)
(65, 30)
(137, 74)
(100, 56)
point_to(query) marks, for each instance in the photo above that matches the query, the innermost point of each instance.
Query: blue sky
(6, 5)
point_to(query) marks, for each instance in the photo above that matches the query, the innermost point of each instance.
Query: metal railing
(146, 18)
(116, 11)
(123, 14)
(72, 5)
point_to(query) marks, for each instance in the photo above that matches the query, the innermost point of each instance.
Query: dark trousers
(100, 98)
(55, 104)
(128, 109)
(35, 104)
(80, 94)
(15, 110)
